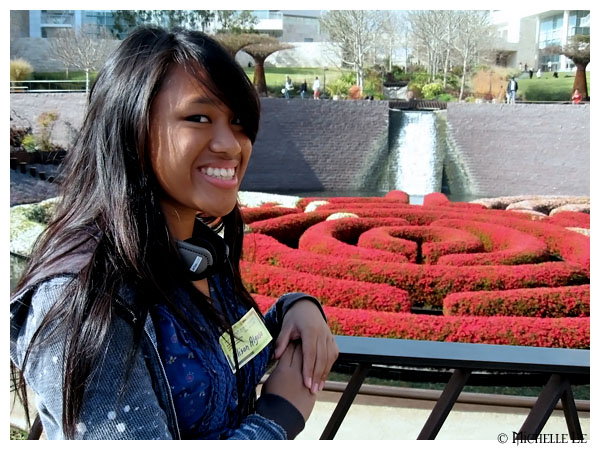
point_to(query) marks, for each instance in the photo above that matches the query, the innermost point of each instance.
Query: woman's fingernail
(309, 382)
(321, 385)
(315, 388)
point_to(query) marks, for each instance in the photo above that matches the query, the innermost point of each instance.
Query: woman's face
(198, 150)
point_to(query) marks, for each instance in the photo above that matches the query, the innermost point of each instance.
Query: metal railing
(38, 86)
(558, 364)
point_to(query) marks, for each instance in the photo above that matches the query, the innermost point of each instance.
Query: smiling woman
(132, 299)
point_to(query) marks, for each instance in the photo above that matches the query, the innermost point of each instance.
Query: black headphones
(204, 253)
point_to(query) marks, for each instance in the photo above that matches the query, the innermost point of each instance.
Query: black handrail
(463, 358)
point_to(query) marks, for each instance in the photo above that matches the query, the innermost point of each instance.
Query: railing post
(538, 416)
(345, 401)
(444, 405)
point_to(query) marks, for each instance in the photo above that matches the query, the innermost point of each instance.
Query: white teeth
(216, 172)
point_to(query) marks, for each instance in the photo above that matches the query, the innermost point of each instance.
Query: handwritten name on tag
(251, 337)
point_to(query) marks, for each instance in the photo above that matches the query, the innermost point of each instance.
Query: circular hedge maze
(442, 271)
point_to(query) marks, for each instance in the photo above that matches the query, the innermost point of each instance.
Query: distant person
(539, 73)
(303, 89)
(549, 66)
(530, 74)
(288, 86)
(526, 68)
(316, 89)
(511, 90)
(555, 74)
(576, 97)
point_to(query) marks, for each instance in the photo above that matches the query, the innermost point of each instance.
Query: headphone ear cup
(197, 259)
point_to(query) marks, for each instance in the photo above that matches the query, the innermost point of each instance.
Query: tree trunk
(462, 81)
(259, 81)
(580, 82)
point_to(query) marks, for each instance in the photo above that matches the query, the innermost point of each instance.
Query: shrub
(266, 212)
(537, 92)
(46, 120)
(29, 143)
(275, 281)
(431, 90)
(20, 69)
(354, 93)
(569, 332)
(567, 301)
(338, 87)
(426, 284)
(17, 134)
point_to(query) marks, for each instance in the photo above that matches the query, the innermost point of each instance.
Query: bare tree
(473, 40)
(261, 51)
(393, 28)
(356, 34)
(428, 28)
(85, 49)
(578, 51)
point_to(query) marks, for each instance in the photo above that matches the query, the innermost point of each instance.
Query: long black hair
(109, 204)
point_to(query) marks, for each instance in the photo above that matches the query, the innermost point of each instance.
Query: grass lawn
(548, 88)
(275, 76)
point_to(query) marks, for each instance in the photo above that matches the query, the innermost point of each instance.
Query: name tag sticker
(251, 337)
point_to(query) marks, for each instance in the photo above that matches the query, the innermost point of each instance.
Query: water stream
(417, 150)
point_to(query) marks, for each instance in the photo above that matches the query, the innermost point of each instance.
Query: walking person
(131, 320)
(511, 90)
(303, 89)
(288, 86)
(316, 89)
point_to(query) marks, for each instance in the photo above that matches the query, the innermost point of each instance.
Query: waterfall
(417, 151)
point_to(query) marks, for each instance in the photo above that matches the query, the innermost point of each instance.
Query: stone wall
(307, 145)
(523, 148)
(312, 145)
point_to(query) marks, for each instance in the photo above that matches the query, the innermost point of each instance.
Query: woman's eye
(236, 121)
(198, 118)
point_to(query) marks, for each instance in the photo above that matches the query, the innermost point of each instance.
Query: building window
(550, 30)
(579, 23)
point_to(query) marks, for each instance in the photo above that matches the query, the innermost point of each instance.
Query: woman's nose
(224, 139)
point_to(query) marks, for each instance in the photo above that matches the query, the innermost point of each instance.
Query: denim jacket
(141, 408)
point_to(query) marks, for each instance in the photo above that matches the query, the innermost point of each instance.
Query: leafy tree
(236, 21)
(578, 51)
(261, 51)
(234, 42)
(126, 20)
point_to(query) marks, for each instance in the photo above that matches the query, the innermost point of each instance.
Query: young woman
(131, 320)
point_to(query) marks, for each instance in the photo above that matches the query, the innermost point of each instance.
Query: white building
(523, 37)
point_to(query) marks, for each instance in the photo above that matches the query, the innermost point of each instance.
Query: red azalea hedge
(570, 219)
(531, 289)
(570, 332)
(566, 301)
(503, 245)
(275, 281)
(336, 237)
(266, 212)
(393, 198)
(563, 244)
(427, 284)
(433, 241)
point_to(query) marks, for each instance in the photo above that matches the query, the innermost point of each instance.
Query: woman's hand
(319, 351)
(286, 381)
